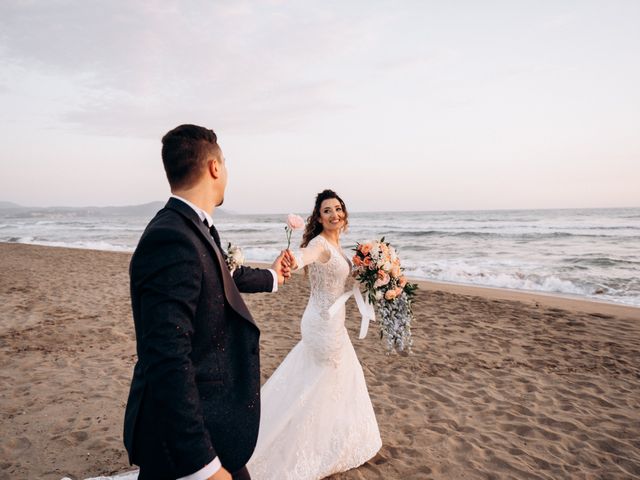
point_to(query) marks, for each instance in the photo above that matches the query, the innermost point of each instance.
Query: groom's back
(223, 347)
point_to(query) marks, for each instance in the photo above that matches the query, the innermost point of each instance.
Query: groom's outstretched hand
(221, 474)
(282, 267)
(291, 259)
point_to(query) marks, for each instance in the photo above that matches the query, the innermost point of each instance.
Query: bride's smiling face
(331, 215)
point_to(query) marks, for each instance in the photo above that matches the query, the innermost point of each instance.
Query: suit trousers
(242, 474)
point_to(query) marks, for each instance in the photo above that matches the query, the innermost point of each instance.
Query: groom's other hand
(281, 269)
(221, 474)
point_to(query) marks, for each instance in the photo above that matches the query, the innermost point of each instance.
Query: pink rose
(295, 222)
(390, 294)
(365, 248)
(383, 279)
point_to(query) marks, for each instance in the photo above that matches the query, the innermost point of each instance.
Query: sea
(588, 253)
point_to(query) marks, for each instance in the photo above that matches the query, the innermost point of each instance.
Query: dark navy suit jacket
(195, 392)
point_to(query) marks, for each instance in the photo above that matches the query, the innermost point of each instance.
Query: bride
(317, 418)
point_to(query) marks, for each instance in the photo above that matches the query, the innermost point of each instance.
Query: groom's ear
(215, 167)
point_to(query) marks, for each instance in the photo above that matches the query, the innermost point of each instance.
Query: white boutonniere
(234, 257)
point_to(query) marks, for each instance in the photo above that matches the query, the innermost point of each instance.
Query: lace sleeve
(316, 252)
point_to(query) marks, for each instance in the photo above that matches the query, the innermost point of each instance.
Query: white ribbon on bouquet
(365, 308)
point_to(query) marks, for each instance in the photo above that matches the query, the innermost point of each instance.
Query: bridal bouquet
(234, 257)
(377, 267)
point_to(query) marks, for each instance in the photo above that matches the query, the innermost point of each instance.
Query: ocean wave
(237, 230)
(532, 236)
(610, 227)
(602, 289)
(509, 274)
(46, 222)
(600, 262)
(19, 239)
(261, 255)
(84, 245)
(249, 226)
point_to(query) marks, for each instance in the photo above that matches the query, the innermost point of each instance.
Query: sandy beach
(500, 385)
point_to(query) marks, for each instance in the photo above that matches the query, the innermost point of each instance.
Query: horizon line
(234, 212)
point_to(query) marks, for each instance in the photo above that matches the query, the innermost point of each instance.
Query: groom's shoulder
(167, 225)
(166, 218)
(166, 240)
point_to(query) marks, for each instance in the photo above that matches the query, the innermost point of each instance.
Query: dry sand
(500, 385)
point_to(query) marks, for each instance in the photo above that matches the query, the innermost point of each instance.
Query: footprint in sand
(18, 444)
(79, 436)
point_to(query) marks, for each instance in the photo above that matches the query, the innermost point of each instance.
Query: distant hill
(9, 205)
(134, 210)
(145, 209)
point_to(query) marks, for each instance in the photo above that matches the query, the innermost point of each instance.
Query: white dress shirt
(215, 465)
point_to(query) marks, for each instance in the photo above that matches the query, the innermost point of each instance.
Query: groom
(194, 405)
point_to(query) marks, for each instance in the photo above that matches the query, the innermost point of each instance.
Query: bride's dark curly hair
(314, 227)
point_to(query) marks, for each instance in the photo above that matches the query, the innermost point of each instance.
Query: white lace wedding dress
(317, 418)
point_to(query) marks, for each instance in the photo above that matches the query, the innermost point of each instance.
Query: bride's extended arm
(317, 252)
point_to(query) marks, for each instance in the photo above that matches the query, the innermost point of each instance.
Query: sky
(396, 105)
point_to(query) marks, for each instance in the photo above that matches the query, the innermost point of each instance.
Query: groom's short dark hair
(185, 151)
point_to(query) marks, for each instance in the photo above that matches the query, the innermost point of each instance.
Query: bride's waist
(319, 314)
(324, 299)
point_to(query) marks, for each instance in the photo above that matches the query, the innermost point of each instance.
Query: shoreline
(547, 299)
(530, 297)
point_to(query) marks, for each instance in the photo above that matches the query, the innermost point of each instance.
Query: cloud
(139, 65)
(273, 111)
